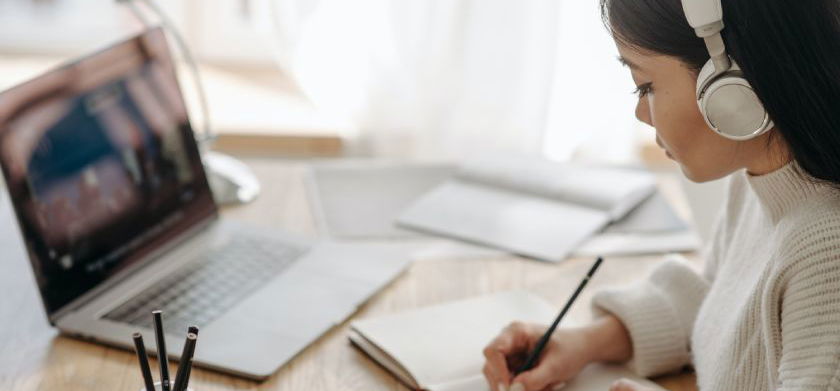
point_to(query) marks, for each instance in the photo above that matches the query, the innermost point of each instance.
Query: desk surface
(34, 357)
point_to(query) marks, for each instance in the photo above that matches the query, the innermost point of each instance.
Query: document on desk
(531, 207)
(439, 348)
(652, 227)
(360, 199)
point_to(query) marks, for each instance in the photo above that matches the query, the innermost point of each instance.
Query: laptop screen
(101, 165)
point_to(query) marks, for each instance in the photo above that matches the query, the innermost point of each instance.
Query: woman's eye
(643, 89)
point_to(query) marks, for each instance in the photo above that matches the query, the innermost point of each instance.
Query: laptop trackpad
(293, 310)
(296, 302)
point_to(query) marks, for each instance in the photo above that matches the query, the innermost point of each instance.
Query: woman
(765, 312)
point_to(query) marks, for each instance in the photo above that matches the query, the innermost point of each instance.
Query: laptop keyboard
(201, 291)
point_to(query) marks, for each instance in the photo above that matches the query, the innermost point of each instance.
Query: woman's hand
(564, 356)
(629, 385)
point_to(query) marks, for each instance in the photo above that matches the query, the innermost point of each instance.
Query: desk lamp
(231, 181)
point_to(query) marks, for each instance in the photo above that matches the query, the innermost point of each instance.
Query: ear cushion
(729, 104)
(703, 78)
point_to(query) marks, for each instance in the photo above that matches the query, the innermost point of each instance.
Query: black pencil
(194, 330)
(187, 375)
(161, 349)
(532, 358)
(144, 361)
(186, 362)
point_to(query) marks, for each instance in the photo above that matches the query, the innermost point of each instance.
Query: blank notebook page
(441, 346)
(444, 343)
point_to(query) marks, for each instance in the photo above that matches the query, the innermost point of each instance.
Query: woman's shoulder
(810, 232)
(817, 214)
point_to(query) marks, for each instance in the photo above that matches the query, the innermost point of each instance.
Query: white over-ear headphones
(728, 103)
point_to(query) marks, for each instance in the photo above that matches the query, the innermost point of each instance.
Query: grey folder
(528, 206)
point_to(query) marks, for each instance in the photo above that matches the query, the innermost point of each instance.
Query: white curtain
(446, 79)
(416, 78)
(592, 108)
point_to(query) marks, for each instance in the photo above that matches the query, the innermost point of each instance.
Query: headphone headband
(705, 16)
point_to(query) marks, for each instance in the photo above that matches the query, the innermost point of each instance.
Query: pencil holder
(159, 387)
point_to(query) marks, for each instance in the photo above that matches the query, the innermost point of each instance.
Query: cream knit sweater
(765, 312)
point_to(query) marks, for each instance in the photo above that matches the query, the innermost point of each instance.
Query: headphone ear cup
(730, 106)
(703, 79)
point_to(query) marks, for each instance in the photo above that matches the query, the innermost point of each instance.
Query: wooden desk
(34, 357)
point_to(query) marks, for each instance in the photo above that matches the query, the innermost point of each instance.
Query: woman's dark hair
(789, 51)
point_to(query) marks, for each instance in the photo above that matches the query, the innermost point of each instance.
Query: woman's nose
(643, 112)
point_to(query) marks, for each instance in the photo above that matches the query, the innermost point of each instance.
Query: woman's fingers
(511, 341)
(628, 385)
(495, 369)
(564, 356)
(558, 386)
(538, 378)
(555, 387)
(490, 377)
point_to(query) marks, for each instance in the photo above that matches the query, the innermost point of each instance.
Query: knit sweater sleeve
(659, 313)
(810, 310)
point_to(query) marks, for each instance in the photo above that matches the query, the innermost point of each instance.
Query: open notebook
(439, 348)
(527, 206)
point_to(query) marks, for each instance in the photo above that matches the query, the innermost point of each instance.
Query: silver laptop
(117, 218)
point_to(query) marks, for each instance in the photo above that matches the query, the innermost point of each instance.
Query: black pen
(186, 362)
(532, 358)
(194, 330)
(161, 348)
(144, 362)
